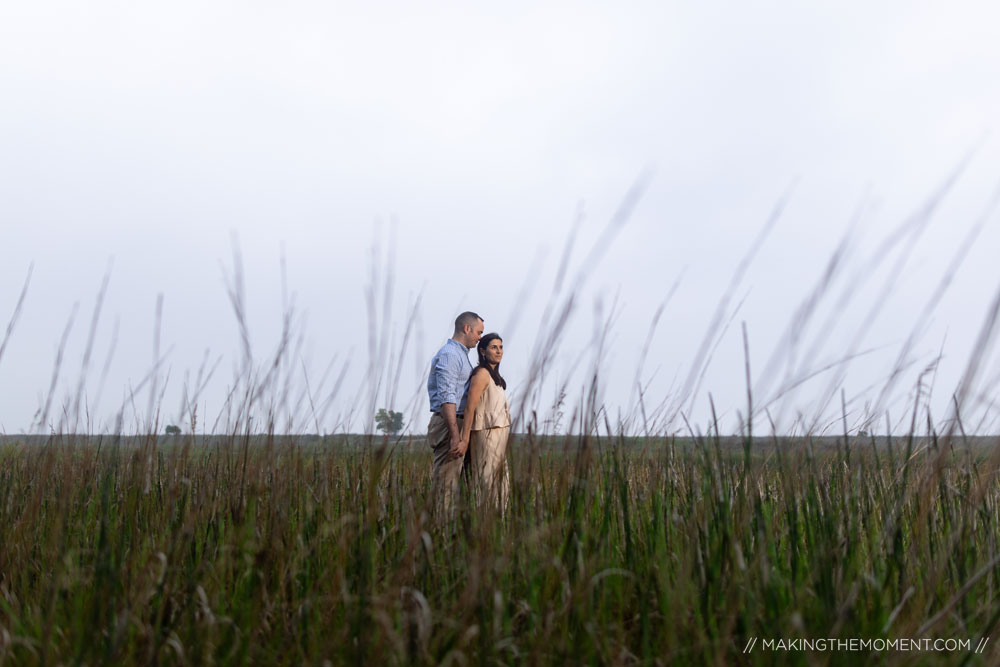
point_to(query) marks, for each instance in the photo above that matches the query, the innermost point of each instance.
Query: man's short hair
(468, 317)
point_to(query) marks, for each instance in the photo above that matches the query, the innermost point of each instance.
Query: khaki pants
(447, 469)
(489, 463)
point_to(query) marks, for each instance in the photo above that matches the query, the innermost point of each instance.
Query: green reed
(265, 550)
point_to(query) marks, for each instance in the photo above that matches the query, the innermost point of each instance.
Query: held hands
(459, 446)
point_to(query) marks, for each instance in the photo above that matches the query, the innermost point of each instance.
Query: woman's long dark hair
(484, 343)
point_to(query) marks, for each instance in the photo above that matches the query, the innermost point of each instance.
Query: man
(448, 388)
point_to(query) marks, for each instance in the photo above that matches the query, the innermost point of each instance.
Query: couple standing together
(470, 414)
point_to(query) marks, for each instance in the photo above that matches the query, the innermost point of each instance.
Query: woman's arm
(477, 387)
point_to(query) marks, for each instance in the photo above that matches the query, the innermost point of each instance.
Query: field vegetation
(643, 540)
(656, 552)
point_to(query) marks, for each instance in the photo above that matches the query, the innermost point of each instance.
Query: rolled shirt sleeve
(448, 381)
(450, 384)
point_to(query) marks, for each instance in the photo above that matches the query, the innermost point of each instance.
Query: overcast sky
(455, 148)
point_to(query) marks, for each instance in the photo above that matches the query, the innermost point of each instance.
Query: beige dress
(488, 442)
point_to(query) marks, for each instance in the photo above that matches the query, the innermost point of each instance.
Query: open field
(262, 548)
(658, 552)
(734, 268)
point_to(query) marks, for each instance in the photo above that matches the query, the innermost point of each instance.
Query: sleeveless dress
(488, 443)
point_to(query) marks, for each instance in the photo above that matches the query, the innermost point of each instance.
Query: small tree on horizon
(389, 421)
(173, 430)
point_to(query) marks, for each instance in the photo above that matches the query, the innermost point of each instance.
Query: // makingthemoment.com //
(878, 644)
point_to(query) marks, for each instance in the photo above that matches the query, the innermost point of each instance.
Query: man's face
(473, 332)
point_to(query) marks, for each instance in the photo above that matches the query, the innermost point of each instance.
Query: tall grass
(623, 543)
(271, 551)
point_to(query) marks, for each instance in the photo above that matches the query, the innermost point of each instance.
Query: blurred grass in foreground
(277, 551)
(256, 548)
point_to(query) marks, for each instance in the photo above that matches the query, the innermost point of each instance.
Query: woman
(487, 422)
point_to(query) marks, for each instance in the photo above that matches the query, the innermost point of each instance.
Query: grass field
(267, 549)
(274, 551)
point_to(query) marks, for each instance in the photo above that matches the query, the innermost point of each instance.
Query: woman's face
(494, 351)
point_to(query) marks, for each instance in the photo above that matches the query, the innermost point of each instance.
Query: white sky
(469, 136)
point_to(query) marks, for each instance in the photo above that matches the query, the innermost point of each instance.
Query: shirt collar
(452, 340)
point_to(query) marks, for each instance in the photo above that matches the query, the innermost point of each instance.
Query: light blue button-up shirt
(448, 381)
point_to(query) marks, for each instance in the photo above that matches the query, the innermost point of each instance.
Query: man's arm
(451, 389)
(451, 419)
